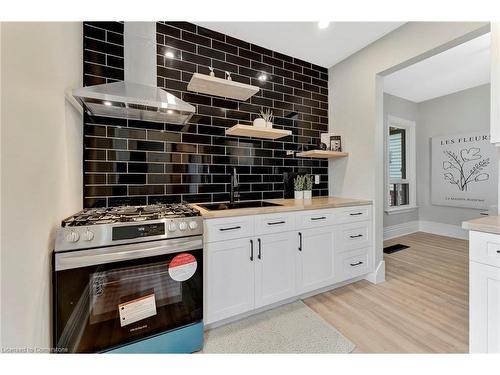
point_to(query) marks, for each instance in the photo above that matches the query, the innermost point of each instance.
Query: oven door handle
(92, 257)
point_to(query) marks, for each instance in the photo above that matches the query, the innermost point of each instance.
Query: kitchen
(203, 176)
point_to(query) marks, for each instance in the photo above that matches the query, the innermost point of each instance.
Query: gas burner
(109, 215)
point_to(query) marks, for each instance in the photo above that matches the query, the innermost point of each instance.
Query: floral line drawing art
(460, 170)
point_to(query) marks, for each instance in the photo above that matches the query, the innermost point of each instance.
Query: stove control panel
(102, 235)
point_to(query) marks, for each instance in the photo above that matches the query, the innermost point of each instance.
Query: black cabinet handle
(356, 214)
(356, 264)
(356, 236)
(498, 251)
(230, 228)
(300, 241)
(319, 218)
(251, 250)
(276, 223)
(259, 255)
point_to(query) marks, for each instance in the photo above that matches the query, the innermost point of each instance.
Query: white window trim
(411, 166)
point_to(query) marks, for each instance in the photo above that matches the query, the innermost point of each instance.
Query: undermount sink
(230, 206)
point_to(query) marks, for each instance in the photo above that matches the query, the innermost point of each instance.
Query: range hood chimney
(137, 97)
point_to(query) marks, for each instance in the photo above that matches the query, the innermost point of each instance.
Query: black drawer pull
(319, 218)
(498, 251)
(356, 236)
(251, 250)
(276, 223)
(356, 214)
(259, 255)
(300, 241)
(230, 228)
(356, 264)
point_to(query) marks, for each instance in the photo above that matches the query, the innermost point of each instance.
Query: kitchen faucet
(234, 186)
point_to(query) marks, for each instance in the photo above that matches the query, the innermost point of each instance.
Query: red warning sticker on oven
(182, 267)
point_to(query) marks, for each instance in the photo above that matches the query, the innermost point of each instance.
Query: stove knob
(193, 225)
(87, 236)
(172, 227)
(72, 236)
(182, 225)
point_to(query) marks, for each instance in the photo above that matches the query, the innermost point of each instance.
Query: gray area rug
(292, 328)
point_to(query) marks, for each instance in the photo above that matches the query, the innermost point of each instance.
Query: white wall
(41, 166)
(461, 112)
(355, 100)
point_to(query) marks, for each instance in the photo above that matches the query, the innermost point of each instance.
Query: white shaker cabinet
(484, 308)
(484, 299)
(259, 260)
(274, 268)
(315, 258)
(230, 274)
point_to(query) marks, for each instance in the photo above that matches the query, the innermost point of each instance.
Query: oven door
(108, 297)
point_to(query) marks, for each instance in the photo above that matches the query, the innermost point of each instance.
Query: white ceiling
(304, 40)
(459, 68)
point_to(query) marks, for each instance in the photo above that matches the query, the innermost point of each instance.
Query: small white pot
(299, 195)
(269, 124)
(307, 194)
(259, 123)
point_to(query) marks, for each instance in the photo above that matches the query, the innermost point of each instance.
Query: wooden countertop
(489, 224)
(286, 205)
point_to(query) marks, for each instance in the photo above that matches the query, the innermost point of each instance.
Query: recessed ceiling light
(169, 55)
(107, 103)
(323, 24)
(262, 77)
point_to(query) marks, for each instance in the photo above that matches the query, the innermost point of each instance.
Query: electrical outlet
(289, 152)
(316, 179)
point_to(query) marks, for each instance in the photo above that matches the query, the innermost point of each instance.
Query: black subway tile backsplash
(137, 162)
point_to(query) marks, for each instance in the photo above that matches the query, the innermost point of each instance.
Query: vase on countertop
(307, 194)
(269, 124)
(259, 123)
(299, 195)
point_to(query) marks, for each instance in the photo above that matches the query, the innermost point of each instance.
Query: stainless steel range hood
(137, 97)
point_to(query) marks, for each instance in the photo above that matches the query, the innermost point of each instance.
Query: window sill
(400, 210)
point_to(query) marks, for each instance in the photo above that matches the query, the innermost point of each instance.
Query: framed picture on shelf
(336, 143)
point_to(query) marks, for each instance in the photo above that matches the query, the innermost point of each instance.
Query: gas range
(99, 227)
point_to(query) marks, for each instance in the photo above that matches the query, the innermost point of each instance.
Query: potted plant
(308, 185)
(267, 115)
(298, 184)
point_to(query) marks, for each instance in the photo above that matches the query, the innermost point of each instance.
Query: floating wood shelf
(221, 87)
(252, 131)
(322, 154)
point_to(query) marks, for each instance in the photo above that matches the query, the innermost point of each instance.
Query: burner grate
(109, 215)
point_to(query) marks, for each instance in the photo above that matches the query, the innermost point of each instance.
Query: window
(400, 165)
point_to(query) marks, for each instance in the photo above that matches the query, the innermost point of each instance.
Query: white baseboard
(401, 229)
(440, 229)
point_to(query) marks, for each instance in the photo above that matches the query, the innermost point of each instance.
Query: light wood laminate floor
(421, 308)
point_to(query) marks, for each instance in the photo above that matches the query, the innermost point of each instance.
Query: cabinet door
(275, 267)
(484, 307)
(229, 279)
(315, 258)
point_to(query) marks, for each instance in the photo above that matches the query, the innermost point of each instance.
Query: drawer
(353, 236)
(228, 228)
(351, 264)
(484, 248)
(274, 223)
(314, 219)
(353, 214)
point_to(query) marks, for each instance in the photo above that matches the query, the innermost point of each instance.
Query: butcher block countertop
(286, 205)
(489, 224)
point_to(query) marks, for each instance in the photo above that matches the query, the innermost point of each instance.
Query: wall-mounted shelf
(322, 154)
(252, 131)
(221, 87)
